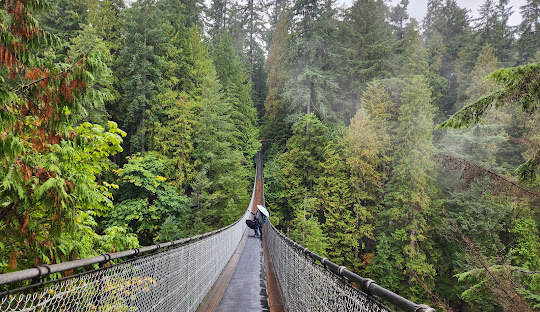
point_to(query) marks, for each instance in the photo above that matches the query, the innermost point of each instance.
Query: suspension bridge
(228, 269)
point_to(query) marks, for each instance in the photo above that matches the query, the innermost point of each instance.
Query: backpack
(251, 224)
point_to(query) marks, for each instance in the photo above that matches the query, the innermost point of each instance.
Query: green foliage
(145, 199)
(519, 84)
(274, 128)
(170, 230)
(308, 232)
(301, 166)
(64, 18)
(115, 239)
(219, 190)
(103, 90)
(482, 143)
(336, 202)
(50, 166)
(528, 42)
(488, 271)
(368, 45)
(274, 193)
(367, 144)
(493, 29)
(527, 244)
(410, 189)
(312, 53)
(140, 63)
(236, 91)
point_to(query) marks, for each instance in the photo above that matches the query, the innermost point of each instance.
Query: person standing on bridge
(260, 219)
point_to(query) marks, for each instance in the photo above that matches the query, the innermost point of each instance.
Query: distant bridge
(225, 270)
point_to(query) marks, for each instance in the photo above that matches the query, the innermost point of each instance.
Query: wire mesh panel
(306, 286)
(176, 279)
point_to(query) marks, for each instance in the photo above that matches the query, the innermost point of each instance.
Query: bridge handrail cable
(44, 270)
(307, 285)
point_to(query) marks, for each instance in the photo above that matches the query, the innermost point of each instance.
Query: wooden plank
(212, 299)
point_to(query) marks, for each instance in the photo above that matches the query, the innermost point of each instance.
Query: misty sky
(417, 8)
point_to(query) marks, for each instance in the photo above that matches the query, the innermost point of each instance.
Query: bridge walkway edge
(215, 295)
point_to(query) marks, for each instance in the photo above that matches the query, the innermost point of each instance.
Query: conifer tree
(103, 18)
(452, 23)
(182, 14)
(399, 17)
(255, 36)
(179, 94)
(218, 16)
(236, 91)
(103, 85)
(145, 36)
(529, 31)
(65, 18)
(335, 201)
(481, 143)
(301, 166)
(369, 46)
(274, 128)
(410, 192)
(219, 188)
(367, 145)
(492, 29)
(49, 162)
(313, 54)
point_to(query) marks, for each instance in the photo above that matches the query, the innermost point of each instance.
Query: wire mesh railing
(176, 276)
(308, 286)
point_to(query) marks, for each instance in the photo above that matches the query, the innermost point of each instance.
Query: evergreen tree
(439, 85)
(452, 23)
(180, 91)
(312, 86)
(399, 17)
(492, 29)
(413, 54)
(481, 143)
(65, 19)
(217, 17)
(367, 144)
(255, 33)
(518, 85)
(301, 166)
(220, 186)
(369, 46)
(335, 201)
(49, 161)
(275, 128)
(529, 31)
(480, 223)
(103, 18)
(409, 194)
(103, 84)
(236, 91)
(182, 14)
(145, 36)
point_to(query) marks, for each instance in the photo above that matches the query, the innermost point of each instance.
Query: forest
(407, 150)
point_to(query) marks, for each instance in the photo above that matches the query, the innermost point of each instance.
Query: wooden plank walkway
(247, 288)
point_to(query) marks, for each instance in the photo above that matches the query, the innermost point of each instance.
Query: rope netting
(176, 279)
(307, 286)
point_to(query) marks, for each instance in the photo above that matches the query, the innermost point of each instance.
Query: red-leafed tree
(48, 159)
